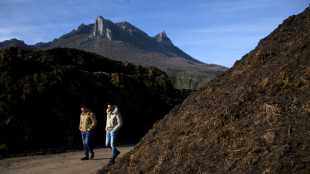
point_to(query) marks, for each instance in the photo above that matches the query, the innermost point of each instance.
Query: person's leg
(108, 139)
(89, 135)
(115, 152)
(84, 139)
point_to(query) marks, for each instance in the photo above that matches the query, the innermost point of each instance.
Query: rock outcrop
(163, 39)
(102, 29)
(252, 119)
(41, 93)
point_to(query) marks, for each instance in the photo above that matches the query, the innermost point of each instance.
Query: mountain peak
(163, 34)
(102, 28)
(162, 38)
(128, 28)
(12, 43)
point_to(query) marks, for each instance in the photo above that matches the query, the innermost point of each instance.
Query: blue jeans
(86, 138)
(110, 141)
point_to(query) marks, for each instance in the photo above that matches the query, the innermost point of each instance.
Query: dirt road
(64, 163)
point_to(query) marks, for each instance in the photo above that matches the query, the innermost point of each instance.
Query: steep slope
(125, 42)
(253, 119)
(41, 93)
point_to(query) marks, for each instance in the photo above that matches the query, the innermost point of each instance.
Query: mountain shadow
(42, 91)
(252, 119)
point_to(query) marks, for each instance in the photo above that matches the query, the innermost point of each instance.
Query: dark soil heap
(253, 119)
(41, 93)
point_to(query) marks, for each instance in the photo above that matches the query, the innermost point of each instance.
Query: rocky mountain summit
(125, 42)
(41, 93)
(252, 119)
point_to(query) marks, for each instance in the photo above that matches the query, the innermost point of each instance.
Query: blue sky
(212, 31)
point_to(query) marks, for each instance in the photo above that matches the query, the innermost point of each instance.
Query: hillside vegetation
(182, 79)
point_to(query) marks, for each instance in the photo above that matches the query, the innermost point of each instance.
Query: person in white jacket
(113, 125)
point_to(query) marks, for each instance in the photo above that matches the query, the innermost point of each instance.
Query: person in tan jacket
(88, 122)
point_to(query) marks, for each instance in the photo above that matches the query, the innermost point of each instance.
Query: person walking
(88, 122)
(113, 125)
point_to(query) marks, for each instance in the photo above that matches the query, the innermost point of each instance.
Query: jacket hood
(114, 111)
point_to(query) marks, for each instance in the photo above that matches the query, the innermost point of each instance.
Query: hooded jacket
(114, 120)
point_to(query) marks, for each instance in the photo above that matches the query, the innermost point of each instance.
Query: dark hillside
(42, 91)
(252, 119)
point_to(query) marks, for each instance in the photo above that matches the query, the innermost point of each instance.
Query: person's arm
(119, 122)
(94, 121)
(80, 123)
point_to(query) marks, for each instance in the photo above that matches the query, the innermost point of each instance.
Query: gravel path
(64, 163)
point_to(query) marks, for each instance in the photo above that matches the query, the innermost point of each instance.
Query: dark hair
(110, 104)
(84, 106)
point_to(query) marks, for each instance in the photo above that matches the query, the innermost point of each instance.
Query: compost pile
(252, 119)
(41, 93)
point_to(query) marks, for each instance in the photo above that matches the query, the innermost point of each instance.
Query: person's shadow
(101, 158)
